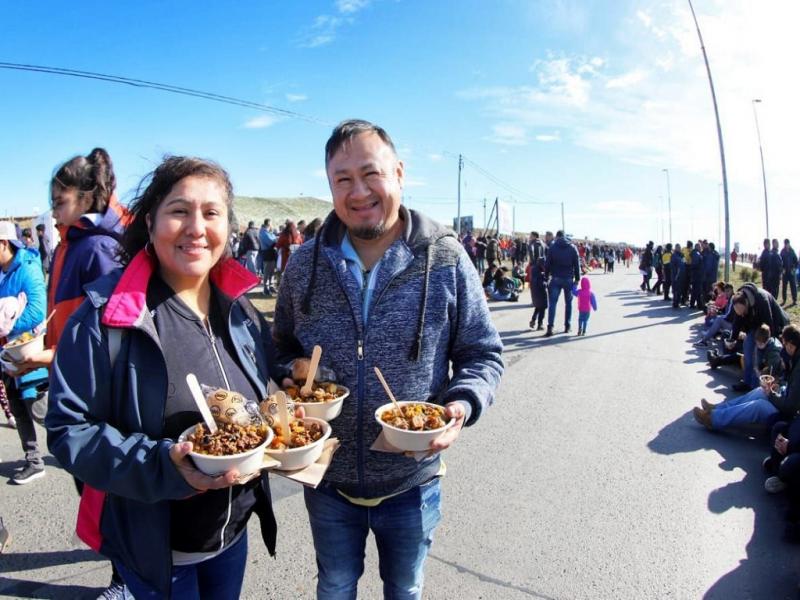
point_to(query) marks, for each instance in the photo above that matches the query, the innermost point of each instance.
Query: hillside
(248, 208)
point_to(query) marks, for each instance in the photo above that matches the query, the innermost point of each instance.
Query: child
(538, 294)
(586, 303)
(768, 353)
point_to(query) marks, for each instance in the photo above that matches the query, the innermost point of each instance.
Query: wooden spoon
(388, 390)
(307, 388)
(283, 417)
(200, 401)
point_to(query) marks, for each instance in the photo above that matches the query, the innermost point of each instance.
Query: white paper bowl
(244, 462)
(327, 411)
(406, 439)
(299, 458)
(20, 352)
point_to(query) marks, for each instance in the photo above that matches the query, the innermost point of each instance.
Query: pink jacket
(586, 299)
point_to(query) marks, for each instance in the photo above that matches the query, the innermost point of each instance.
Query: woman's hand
(43, 358)
(195, 478)
(453, 410)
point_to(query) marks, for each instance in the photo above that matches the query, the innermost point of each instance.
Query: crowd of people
(748, 329)
(141, 296)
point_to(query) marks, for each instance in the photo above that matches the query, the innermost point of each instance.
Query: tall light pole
(761, 152)
(669, 206)
(721, 147)
(458, 213)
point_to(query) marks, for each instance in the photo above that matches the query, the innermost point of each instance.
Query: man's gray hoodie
(428, 313)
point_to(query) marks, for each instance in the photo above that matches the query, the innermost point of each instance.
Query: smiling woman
(115, 423)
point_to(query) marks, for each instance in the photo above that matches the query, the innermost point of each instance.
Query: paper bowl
(327, 411)
(19, 352)
(244, 462)
(766, 379)
(299, 458)
(404, 439)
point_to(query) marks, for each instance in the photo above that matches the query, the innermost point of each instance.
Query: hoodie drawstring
(305, 306)
(416, 348)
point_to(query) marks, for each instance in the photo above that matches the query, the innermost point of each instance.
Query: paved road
(588, 479)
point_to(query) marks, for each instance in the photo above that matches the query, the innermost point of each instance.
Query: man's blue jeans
(219, 578)
(556, 285)
(403, 526)
(752, 407)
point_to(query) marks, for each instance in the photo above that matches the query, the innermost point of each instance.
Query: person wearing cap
(22, 273)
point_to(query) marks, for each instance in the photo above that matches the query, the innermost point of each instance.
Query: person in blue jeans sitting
(766, 403)
(562, 268)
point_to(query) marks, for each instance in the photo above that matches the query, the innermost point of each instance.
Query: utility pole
(484, 215)
(458, 215)
(721, 147)
(669, 206)
(763, 171)
(563, 227)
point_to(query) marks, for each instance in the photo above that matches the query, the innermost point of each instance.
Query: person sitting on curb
(754, 306)
(764, 404)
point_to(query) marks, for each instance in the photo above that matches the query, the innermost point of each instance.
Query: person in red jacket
(288, 240)
(90, 222)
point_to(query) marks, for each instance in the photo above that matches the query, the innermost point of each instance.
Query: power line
(282, 112)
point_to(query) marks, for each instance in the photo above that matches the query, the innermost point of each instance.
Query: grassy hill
(248, 208)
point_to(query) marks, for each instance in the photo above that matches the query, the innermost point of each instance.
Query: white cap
(9, 232)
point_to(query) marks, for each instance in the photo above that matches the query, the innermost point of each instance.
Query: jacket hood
(418, 232)
(586, 284)
(561, 242)
(124, 291)
(112, 223)
(23, 255)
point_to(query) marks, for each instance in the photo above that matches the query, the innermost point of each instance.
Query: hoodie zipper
(207, 328)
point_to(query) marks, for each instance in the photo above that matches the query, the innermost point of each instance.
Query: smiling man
(383, 286)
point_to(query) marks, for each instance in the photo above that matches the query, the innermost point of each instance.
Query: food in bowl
(414, 426)
(415, 417)
(18, 341)
(320, 392)
(303, 433)
(229, 439)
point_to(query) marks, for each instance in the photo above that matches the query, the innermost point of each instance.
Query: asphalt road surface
(587, 479)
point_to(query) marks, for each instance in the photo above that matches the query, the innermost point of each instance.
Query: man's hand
(453, 410)
(197, 479)
(781, 444)
(300, 369)
(40, 359)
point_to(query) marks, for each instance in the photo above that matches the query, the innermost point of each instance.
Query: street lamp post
(721, 146)
(669, 205)
(761, 152)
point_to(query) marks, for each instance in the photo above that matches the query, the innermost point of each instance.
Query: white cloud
(351, 6)
(320, 174)
(509, 134)
(546, 137)
(414, 183)
(435, 157)
(296, 97)
(627, 79)
(261, 122)
(650, 104)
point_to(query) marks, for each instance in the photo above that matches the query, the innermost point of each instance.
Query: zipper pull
(360, 350)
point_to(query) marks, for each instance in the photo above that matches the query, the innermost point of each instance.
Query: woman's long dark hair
(155, 186)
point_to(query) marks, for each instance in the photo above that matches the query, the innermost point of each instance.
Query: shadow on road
(767, 571)
(29, 561)
(489, 579)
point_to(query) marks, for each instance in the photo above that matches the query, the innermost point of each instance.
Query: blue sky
(577, 102)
